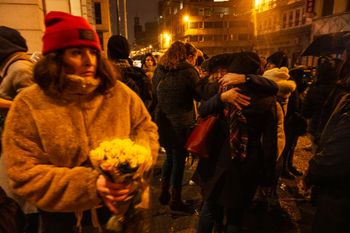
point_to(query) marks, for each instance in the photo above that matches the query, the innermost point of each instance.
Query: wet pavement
(294, 216)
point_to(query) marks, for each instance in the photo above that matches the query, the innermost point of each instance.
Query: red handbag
(197, 142)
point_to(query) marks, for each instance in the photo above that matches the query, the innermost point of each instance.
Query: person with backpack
(15, 66)
(134, 77)
(16, 70)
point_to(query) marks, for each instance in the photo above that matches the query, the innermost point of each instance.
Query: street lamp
(165, 39)
(186, 18)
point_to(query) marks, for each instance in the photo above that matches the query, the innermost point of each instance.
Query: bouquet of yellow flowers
(123, 161)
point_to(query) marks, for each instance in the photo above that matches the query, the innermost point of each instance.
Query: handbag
(197, 142)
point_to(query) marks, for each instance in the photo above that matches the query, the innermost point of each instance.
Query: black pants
(66, 222)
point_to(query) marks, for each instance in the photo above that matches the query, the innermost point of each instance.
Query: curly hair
(49, 73)
(174, 56)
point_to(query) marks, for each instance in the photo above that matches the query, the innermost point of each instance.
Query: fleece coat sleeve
(46, 144)
(49, 187)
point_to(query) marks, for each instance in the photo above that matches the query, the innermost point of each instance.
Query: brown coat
(47, 141)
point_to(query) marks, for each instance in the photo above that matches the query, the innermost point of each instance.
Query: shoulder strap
(11, 61)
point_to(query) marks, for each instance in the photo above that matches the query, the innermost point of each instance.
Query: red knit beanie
(64, 30)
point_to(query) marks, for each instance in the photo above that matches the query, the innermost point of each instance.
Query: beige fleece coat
(285, 87)
(47, 141)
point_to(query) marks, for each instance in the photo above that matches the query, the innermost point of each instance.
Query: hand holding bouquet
(123, 162)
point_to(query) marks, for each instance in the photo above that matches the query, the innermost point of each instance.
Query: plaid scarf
(238, 131)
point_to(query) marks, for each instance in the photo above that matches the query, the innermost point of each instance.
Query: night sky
(147, 10)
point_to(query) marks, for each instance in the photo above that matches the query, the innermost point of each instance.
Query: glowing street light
(165, 40)
(186, 18)
(258, 4)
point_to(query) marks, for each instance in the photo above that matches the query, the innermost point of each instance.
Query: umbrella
(326, 44)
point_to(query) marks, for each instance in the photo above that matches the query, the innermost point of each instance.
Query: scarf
(238, 131)
(78, 85)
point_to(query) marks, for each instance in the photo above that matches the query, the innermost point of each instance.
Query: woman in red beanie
(52, 126)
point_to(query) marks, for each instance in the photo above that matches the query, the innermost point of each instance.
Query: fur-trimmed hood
(281, 77)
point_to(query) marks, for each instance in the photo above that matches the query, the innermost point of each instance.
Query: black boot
(176, 203)
(164, 196)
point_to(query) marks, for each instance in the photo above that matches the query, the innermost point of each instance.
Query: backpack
(137, 80)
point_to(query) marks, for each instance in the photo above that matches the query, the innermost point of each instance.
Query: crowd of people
(73, 98)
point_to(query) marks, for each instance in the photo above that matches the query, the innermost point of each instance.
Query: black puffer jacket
(232, 183)
(174, 91)
(329, 171)
(313, 104)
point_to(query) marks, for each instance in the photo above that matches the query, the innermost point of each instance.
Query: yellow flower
(110, 154)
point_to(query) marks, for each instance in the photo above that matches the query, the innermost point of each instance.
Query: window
(207, 11)
(218, 37)
(243, 36)
(303, 16)
(193, 25)
(100, 36)
(221, 10)
(297, 17)
(194, 11)
(327, 8)
(213, 24)
(290, 19)
(284, 20)
(269, 24)
(98, 14)
(193, 38)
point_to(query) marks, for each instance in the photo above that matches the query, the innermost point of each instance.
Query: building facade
(331, 16)
(27, 16)
(282, 25)
(213, 26)
(147, 37)
(265, 26)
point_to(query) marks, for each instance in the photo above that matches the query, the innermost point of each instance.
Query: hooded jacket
(16, 73)
(11, 41)
(285, 86)
(47, 142)
(15, 65)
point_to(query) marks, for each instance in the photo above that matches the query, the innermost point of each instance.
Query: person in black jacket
(174, 83)
(318, 93)
(329, 172)
(133, 77)
(228, 179)
(329, 169)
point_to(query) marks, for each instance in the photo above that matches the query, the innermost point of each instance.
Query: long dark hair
(175, 55)
(50, 76)
(143, 62)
